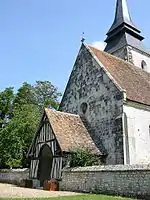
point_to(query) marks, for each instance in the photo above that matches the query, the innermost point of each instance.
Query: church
(105, 106)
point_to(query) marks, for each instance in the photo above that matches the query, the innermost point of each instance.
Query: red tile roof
(70, 131)
(132, 79)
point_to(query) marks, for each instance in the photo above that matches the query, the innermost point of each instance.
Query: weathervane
(83, 39)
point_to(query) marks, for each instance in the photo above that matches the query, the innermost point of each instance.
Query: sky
(40, 39)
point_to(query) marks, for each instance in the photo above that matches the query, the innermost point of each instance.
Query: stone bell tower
(124, 39)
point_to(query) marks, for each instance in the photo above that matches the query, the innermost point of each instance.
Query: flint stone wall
(124, 180)
(90, 83)
(13, 176)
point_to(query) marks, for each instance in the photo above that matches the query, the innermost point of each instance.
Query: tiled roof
(132, 79)
(70, 131)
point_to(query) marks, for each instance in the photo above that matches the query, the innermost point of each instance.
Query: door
(45, 164)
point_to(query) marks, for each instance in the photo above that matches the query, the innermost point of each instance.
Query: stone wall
(90, 85)
(13, 176)
(124, 180)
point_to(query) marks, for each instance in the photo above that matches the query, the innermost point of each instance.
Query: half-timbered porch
(57, 134)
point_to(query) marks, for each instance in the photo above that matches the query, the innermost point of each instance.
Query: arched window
(83, 107)
(143, 65)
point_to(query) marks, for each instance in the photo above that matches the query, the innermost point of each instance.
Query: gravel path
(7, 190)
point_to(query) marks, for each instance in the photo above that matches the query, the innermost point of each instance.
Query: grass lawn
(83, 197)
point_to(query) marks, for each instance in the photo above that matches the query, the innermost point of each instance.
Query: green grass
(83, 197)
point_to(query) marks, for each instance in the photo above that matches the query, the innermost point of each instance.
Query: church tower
(124, 39)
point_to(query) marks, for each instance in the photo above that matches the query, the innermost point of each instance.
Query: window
(143, 65)
(83, 107)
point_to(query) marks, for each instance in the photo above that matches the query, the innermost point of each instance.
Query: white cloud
(99, 45)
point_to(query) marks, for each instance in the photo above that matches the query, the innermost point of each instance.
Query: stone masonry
(13, 176)
(124, 180)
(93, 95)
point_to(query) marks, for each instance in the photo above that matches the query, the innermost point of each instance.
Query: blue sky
(39, 39)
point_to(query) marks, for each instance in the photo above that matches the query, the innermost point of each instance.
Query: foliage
(18, 135)
(82, 157)
(24, 95)
(42, 94)
(46, 94)
(6, 105)
(19, 117)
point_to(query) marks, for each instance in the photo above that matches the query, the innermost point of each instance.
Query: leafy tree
(46, 94)
(25, 95)
(42, 94)
(6, 105)
(16, 137)
(19, 116)
(10, 147)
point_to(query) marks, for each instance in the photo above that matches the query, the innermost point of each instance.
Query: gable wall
(137, 133)
(89, 83)
(46, 136)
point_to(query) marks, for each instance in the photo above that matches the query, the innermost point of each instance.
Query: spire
(122, 9)
(122, 16)
(123, 29)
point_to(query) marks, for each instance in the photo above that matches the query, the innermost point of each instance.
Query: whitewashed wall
(136, 134)
(138, 57)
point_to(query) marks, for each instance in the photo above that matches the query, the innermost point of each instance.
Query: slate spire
(122, 28)
(122, 15)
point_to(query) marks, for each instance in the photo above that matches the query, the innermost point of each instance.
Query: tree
(25, 95)
(16, 137)
(42, 94)
(46, 94)
(6, 105)
(20, 114)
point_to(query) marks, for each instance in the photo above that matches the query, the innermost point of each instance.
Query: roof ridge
(61, 112)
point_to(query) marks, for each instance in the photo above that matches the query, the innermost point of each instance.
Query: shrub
(82, 157)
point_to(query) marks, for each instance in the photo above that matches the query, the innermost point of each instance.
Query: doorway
(45, 164)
